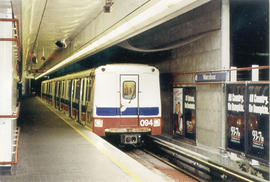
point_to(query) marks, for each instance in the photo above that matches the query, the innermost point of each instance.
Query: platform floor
(54, 149)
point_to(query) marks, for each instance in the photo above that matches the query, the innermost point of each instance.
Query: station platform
(55, 148)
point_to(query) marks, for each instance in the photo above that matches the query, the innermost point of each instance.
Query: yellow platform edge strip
(114, 160)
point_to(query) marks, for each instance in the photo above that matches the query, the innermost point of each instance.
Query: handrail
(221, 82)
(13, 115)
(17, 151)
(175, 74)
(224, 70)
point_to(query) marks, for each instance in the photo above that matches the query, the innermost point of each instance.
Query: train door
(88, 101)
(129, 100)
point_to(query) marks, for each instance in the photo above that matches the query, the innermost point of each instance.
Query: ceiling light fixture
(110, 37)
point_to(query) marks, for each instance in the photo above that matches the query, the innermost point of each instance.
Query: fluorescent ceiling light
(158, 8)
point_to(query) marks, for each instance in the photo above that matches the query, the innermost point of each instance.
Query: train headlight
(156, 122)
(98, 123)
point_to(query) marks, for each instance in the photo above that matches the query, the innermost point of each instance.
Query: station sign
(211, 77)
(37, 71)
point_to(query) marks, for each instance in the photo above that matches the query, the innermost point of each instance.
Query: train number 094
(146, 122)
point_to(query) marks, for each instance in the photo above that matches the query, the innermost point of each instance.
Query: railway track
(195, 164)
(180, 166)
(177, 168)
(160, 165)
(157, 163)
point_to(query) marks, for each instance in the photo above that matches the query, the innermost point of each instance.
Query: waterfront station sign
(211, 77)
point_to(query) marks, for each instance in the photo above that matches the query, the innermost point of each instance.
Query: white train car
(116, 99)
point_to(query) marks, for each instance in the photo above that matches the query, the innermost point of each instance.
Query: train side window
(78, 85)
(83, 86)
(72, 89)
(66, 89)
(86, 89)
(129, 90)
(56, 89)
(50, 89)
(46, 88)
(59, 89)
(89, 89)
(69, 89)
(63, 89)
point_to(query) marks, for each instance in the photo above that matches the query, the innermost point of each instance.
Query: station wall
(201, 54)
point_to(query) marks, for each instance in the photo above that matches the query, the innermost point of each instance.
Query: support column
(225, 60)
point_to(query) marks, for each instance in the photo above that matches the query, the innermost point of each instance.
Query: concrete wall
(199, 55)
(107, 24)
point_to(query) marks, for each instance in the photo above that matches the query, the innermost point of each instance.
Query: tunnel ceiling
(79, 23)
(47, 21)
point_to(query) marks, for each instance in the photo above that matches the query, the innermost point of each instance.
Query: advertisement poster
(258, 121)
(178, 126)
(236, 104)
(190, 112)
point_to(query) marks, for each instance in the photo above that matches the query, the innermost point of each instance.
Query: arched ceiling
(85, 27)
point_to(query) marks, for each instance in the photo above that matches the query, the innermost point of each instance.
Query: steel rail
(202, 161)
(174, 166)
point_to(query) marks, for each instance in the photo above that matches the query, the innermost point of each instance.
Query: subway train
(120, 100)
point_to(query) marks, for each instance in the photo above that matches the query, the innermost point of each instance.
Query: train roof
(126, 67)
(72, 75)
(120, 67)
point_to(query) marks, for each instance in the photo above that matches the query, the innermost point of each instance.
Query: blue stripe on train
(67, 102)
(76, 106)
(114, 111)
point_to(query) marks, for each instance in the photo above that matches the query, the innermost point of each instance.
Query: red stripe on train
(127, 123)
